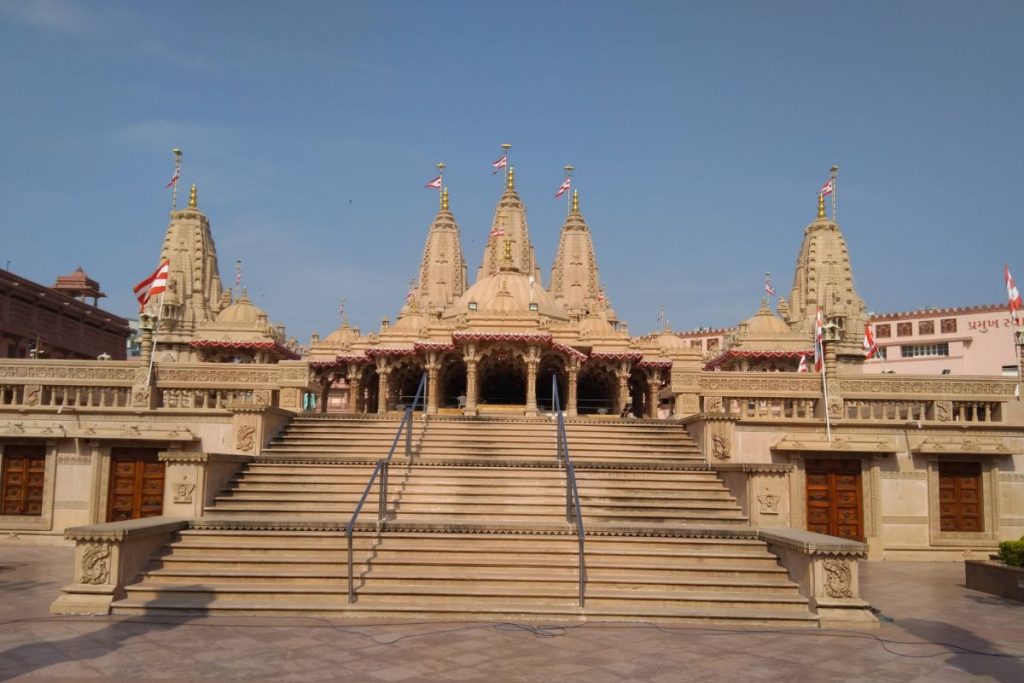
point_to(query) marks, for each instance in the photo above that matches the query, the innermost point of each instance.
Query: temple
(544, 463)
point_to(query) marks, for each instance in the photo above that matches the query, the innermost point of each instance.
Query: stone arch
(451, 383)
(501, 376)
(404, 380)
(639, 394)
(597, 389)
(369, 387)
(551, 364)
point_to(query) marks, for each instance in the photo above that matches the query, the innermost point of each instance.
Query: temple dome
(507, 292)
(764, 323)
(670, 341)
(242, 311)
(342, 335)
(595, 324)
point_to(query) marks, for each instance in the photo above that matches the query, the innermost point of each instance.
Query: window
(924, 350)
(883, 331)
(880, 354)
(695, 343)
(1009, 371)
(23, 474)
(904, 329)
(926, 327)
(712, 344)
(948, 325)
(960, 506)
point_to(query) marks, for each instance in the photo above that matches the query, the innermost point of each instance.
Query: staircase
(476, 530)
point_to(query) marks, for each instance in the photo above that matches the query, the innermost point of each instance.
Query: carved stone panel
(96, 564)
(838, 579)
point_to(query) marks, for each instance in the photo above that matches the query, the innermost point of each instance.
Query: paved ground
(939, 631)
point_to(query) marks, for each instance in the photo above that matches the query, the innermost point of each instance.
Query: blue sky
(700, 133)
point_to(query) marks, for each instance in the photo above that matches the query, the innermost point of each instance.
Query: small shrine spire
(193, 197)
(821, 206)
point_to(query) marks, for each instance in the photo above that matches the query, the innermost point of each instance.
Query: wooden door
(834, 504)
(960, 496)
(23, 474)
(136, 484)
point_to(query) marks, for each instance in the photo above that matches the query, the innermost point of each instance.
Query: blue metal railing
(573, 512)
(380, 475)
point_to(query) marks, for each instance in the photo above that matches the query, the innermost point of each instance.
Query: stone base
(846, 614)
(995, 578)
(78, 600)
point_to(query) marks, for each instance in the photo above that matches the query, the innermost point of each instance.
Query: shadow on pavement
(965, 649)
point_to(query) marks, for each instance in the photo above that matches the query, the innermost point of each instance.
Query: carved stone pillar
(531, 381)
(383, 371)
(433, 368)
(470, 356)
(570, 400)
(835, 398)
(146, 346)
(355, 398)
(653, 387)
(623, 396)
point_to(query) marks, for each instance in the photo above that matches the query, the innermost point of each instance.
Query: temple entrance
(451, 385)
(551, 365)
(403, 381)
(369, 387)
(639, 394)
(502, 380)
(834, 498)
(596, 390)
(136, 484)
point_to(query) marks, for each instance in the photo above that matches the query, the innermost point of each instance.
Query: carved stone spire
(575, 282)
(824, 278)
(509, 227)
(194, 289)
(442, 276)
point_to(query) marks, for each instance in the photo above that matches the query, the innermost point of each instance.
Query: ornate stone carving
(769, 503)
(32, 395)
(943, 411)
(140, 396)
(245, 439)
(16, 428)
(720, 446)
(96, 564)
(712, 404)
(838, 579)
(183, 490)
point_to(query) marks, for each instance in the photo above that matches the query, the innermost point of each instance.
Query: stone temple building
(503, 449)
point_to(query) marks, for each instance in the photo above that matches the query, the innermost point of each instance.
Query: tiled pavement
(927, 603)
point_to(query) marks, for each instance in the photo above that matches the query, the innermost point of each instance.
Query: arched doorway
(595, 390)
(502, 377)
(403, 381)
(639, 395)
(551, 365)
(369, 385)
(452, 382)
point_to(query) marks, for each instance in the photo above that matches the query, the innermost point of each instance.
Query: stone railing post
(470, 356)
(573, 382)
(433, 369)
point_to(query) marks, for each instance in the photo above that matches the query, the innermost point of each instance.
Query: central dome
(506, 292)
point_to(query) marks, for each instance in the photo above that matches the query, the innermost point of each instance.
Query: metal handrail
(381, 470)
(573, 511)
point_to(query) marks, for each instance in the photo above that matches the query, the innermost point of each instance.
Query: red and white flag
(564, 187)
(499, 164)
(768, 289)
(154, 284)
(819, 344)
(497, 231)
(174, 178)
(1012, 293)
(434, 184)
(827, 188)
(803, 364)
(870, 347)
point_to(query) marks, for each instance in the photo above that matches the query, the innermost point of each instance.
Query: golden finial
(821, 206)
(575, 201)
(508, 250)
(192, 197)
(511, 185)
(444, 199)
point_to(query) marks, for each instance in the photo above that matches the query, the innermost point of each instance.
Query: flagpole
(568, 195)
(824, 390)
(156, 328)
(505, 147)
(440, 190)
(835, 172)
(176, 176)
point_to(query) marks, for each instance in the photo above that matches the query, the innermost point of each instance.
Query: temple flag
(174, 178)
(827, 188)
(564, 187)
(768, 289)
(434, 184)
(803, 363)
(497, 231)
(870, 347)
(819, 344)
(154, 284)
(500, 163)
(1012, 293)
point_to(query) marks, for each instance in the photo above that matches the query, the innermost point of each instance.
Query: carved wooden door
(22, 479)
(136, 484)
(960, 496)
(834, 504)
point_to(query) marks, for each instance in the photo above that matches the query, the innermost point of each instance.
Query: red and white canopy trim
(633, 356)
(276, 348)
(739, 353)
(534, 337)
(662, 364)
(381, 352)
(434, 346)
(569, 351)
(322, 364)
